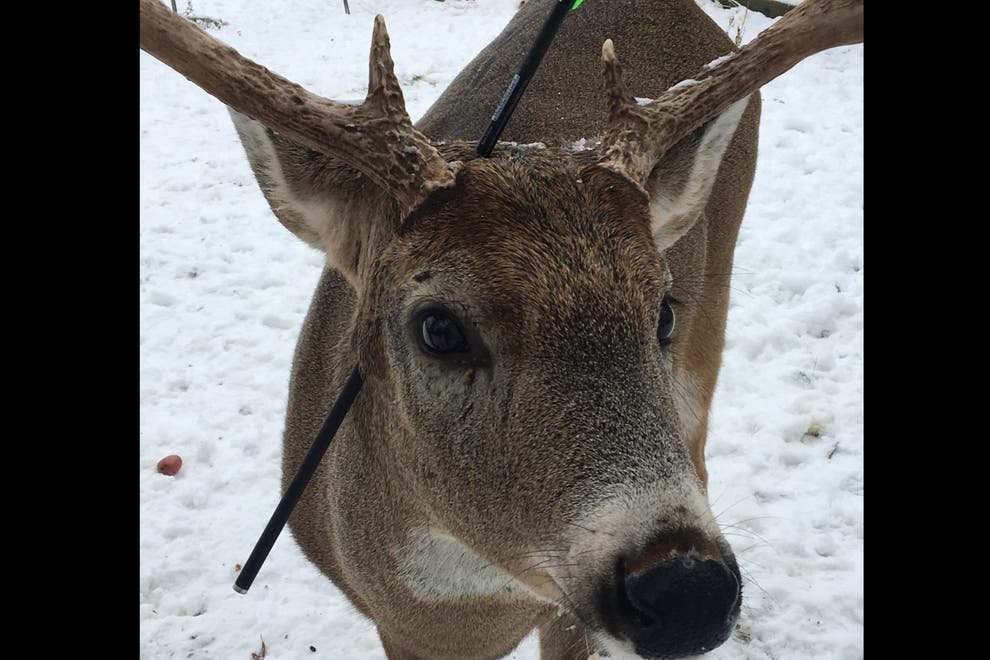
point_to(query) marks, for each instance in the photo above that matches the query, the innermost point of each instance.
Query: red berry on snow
(170, 465)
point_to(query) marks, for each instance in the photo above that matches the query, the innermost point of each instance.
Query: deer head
(512, 319)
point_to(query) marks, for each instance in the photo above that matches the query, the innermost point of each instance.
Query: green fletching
(577, 3)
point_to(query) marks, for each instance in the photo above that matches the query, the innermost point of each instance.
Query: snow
(718, 60)
(687, 82)
(224, 289)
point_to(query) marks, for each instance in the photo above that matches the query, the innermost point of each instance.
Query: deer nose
(684, 605)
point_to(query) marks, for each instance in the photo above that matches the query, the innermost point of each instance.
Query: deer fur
(460, 508)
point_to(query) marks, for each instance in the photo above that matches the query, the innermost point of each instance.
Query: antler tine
(636, 137)
(615, 87)
(377, 137)
(628, 144)
(382, 83)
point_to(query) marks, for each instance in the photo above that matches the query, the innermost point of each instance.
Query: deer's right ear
(329, 205)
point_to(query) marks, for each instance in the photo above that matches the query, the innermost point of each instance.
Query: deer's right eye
(440, 334)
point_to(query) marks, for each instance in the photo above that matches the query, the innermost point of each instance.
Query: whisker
(748, 532)
(745, 536)
(589, 529)
(727, 509)
(712, 503)
(749, 562)
(749, 576)
(739, 522)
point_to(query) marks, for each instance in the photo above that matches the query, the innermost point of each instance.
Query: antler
(637, 136)
(377, 138)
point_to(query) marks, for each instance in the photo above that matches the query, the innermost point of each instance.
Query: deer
(539, 331)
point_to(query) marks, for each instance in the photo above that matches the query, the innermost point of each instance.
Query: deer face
(526, 333)
(516, 316)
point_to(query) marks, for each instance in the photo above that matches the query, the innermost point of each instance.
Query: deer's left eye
(665, 328)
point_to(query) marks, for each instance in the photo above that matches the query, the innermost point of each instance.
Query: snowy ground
(224, 289)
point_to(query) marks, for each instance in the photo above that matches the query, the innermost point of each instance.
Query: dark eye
(440, 334)
(665, 328)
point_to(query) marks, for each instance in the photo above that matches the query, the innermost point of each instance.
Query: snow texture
(224, 289)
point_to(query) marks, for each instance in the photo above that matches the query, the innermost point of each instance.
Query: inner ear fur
(681, 182)
(329, 205)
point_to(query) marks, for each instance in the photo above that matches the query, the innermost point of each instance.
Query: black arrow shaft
(295, 490)
(521, 79)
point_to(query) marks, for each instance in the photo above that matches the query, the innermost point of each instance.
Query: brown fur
(551, 262)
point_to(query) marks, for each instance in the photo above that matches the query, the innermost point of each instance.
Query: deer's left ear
(682, 181)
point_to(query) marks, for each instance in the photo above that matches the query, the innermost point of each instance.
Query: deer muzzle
(679, 596)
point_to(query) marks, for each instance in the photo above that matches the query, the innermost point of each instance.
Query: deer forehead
(535, 234)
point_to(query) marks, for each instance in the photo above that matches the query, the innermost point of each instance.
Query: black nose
(683, 606)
